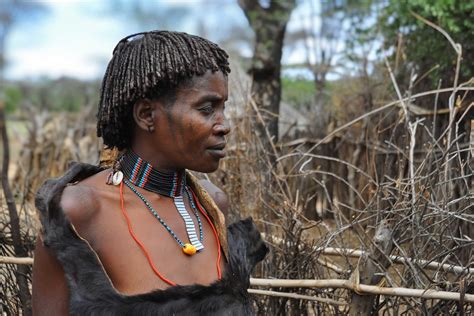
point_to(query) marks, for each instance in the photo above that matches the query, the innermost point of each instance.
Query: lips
(220, 146)
(217, 150)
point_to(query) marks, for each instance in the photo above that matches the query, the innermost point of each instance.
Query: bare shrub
(396, 184)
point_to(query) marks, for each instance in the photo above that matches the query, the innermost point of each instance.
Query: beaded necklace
(141, 173)
(133, 171)
(145, 251)
(152, 210)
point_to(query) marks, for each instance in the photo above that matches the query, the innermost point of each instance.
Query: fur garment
(92, 293)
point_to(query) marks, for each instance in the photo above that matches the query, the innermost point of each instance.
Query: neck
(142, 173)
(153, 157)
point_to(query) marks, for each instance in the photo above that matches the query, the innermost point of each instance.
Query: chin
(206, 168)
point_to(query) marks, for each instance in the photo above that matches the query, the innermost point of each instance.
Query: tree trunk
(269, 25)
(371, 269)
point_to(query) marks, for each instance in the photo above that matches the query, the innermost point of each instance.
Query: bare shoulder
(219, 197)
(50, 293)
(80, 201)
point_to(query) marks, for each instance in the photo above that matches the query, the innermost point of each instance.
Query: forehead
(209, 84)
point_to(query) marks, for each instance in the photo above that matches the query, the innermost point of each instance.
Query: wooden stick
(330, 283)
(16, 260)
(425, 264)
(331, 252)
(332, 266)
(362, 288)
(297, 296)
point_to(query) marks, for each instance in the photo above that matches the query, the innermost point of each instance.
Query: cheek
(198, 130)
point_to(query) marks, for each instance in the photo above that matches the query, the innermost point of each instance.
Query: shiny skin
(185, 132)
(182, 136)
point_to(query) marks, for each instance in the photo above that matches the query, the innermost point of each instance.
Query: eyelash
(207, 109)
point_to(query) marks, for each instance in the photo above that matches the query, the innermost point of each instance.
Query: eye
(206, 108)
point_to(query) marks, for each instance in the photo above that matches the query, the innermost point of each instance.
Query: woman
(151, 224)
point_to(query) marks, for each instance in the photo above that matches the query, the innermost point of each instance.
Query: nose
(221, 127)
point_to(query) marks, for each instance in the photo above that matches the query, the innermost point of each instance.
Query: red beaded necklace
(147, 254)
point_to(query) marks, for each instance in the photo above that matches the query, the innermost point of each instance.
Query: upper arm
(219, 197)
(50, 292)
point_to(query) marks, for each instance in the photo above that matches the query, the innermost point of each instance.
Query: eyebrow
(211, 97)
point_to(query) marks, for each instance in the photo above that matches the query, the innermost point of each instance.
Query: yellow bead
(189, 249)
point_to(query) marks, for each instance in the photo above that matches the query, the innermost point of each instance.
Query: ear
(144, 114)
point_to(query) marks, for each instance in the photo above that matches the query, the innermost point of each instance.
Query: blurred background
(350, 119)
(65, 45)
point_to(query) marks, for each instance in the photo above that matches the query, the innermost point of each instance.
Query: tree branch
(18, 247)
(252, 10)
(297, 296)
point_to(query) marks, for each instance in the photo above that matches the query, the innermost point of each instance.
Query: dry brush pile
(397, 212)
(375, 217)
(52, 140)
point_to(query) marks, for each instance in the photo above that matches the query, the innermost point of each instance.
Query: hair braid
(150, 64)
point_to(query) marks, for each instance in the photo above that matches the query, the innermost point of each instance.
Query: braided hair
(150, 65)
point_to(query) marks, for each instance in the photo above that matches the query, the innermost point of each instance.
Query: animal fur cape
(92, 293)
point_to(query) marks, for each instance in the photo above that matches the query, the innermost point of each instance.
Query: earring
(151, 129)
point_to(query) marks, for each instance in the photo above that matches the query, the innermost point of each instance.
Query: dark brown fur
(91, 292)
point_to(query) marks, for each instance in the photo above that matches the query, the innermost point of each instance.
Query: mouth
(218, 150)
(219, 146)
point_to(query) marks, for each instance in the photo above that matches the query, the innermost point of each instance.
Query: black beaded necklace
(142, 174)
